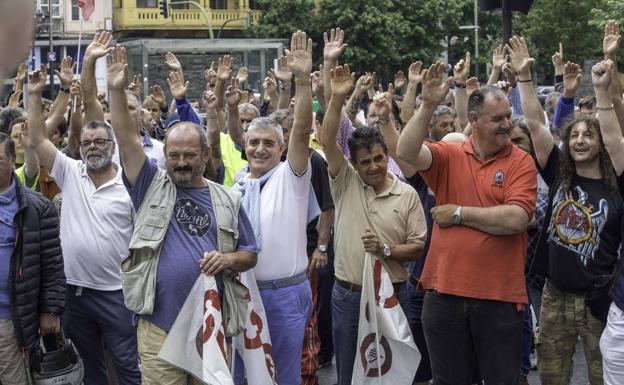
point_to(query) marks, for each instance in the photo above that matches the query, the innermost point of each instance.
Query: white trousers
(612, 347)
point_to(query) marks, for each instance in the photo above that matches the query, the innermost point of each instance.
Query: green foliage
(607, 10)
(283, 17)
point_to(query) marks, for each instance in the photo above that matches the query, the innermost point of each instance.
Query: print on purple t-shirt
(192, 231)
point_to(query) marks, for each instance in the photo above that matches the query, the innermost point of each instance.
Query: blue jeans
(414, 311)
(346, 317)
(94, 320)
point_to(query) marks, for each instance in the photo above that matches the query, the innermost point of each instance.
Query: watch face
(386, 251)
(322, 248)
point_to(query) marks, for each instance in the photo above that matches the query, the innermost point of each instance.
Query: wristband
(524, 81)
(303, 82)
(605, 108)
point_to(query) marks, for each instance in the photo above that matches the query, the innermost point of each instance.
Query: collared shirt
(464, 261)
(395, 215)
(8, 208)
(96, 225)
(154, 149)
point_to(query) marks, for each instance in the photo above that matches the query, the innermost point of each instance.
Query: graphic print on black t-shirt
(192, 217)
(576, 224)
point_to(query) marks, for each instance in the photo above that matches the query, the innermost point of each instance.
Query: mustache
(183, 168)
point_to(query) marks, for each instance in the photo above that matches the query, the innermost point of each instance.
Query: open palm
(300, 55)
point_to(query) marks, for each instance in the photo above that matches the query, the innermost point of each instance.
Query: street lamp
(475, 27)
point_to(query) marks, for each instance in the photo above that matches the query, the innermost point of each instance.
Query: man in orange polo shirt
(485, 192)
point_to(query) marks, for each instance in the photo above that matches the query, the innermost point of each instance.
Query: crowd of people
(489, 211)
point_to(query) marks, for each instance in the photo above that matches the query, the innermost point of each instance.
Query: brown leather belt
(358, 288)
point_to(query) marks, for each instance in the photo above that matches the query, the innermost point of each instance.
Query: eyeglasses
(101, 143)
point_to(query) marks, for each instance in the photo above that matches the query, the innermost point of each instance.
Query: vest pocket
(227, 238)
(153, 227)
(138, 283)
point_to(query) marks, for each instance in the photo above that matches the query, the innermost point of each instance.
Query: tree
(607, 10)
(283, 17)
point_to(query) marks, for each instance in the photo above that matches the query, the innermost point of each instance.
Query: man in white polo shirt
(96, 225)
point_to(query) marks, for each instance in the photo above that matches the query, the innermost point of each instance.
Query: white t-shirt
(155, 151)
(96, 225)
(284, 217)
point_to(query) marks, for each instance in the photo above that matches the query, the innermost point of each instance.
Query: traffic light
(164, 8)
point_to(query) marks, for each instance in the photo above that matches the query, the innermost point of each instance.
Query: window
(257, 6)
(57, 8)
(75, 11)
(179, 6)
(147, 3)
(218, 4)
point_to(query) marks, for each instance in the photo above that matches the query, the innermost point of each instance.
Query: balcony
(132, 18)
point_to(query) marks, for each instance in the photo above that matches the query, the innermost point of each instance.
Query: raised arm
(213, 131)
(224, 73)
(410, 147)
(610, 46)
(98, 48)
(300, 63)
(363, 84)
(20, 77)
(318, 88)
(75, 121)
(174, 64)
(127, 135)
(66, 77)
(571, 82)
(602, 76)
(270, 89)
(31, 160)
(284, 75)
(333, 48)
(498, 61)
(234, 127)
(414, 77)
(543, 141)
(36, 123)
(461, 74)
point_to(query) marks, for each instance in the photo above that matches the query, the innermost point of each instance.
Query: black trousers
(462, 332)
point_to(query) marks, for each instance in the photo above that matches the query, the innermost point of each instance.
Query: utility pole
(506, 21)
(50, 50)
(475, 27)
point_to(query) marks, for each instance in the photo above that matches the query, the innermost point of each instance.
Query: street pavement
(327, 376)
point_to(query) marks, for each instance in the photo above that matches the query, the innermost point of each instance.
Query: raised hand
(300, 55)
(317, 82)
(24, 137)
(382, 102)
(22, 72)
(571, 79)
(37, 81)
(434, 89)
(233, 94)
(504, 85)
(224, 68)
(211, 74)
(66, 74)
(136, 85)
(15, 100)
(270, 84)
(341, 80)
(177, 88)
(334, 46)
(602, 74)
(210, 101)
(461, 71)
(472, 85)
(612, 37)
(365, 82)
(117, 68)
(75, 93)
(510, 74)
(414, 73)
(158, 96)
(245, 97)
(557, 60)
(242, 75)
(498, 57)
(283, 73)
(100, 46)
(172, 61)
(520, 58)
(399, 80)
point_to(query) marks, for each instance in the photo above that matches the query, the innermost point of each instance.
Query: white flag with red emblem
(88, 7)
(196, 341)
(254, 343)
(386, 353)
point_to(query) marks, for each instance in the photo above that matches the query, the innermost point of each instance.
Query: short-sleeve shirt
(96, 225)
(191, 232)
(583, 230)
(320, 184)
(464, 261)
(395, 215)
(283, 217)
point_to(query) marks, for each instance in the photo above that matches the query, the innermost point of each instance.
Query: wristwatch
(457, 215)
(386, 251)
(322, 248)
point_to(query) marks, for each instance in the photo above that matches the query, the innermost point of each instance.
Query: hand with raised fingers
(100, 46)
(24, 137)
(341, 80)
(365, 82)
(510, 74)
(15, 100)
(211, 75)
(499, 58)
(177, 88)
(434, 89)
(37, 81)
(242, 75)
(136, 85)
(75, 93)
(117, 69)
(172, 61)
(520, 58)
(382, 102)
(571, 79)
(245, 97)
(66, 74)
(505, 86)
(317, 82)
(224, 68)
(399, 80)
(334, 46)
(461, 71)
(472, 85)
(270, 84)
(557, 60)
(158, 96)
(300, 55)
(210, 101)
(233, 93)
(22, 72)
(602, 74)
(283, 73)
(611, 40)
(415, 72)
